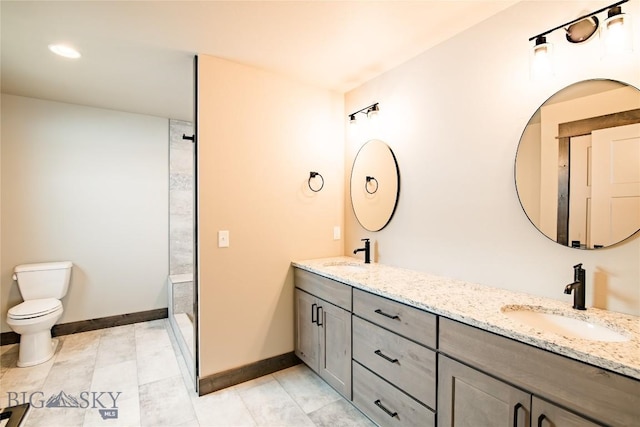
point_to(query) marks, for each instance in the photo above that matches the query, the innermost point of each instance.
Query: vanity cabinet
(401, 364)
(471, 398)
(323, 328)
(394, 361)
(486, 375)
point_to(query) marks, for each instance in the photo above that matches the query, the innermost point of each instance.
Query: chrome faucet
(578, 287)
(367, 251)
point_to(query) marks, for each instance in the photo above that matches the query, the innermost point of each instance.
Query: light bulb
(616, 33)
(373, 112)
(542, 59)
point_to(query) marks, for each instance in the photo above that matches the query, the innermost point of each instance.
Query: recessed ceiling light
(64, 50)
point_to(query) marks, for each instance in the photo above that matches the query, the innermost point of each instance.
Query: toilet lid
(35, 308)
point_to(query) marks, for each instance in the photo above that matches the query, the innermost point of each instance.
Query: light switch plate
(223, 238)
(336, 232)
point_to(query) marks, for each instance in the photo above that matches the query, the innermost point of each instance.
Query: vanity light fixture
(371, 111)
(64, 51)
(615, 31)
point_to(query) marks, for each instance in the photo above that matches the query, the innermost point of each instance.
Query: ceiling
(137, 56)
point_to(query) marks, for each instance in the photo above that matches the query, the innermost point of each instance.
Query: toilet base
(35, 349)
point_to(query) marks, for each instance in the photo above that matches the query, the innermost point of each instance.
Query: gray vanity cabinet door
(323, 340)
(469, 398)
(546, 414)
(306, 345)
(335, 347)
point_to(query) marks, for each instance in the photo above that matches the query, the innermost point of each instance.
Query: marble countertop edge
(454, 299)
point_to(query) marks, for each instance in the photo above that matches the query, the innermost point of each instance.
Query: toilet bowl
(41, 286)
(33, 320)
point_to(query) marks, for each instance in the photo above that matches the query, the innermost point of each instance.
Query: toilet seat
(34, 308)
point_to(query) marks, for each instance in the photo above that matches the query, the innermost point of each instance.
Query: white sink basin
(569, 327)
(347, 266)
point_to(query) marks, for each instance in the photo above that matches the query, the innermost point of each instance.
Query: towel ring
(366, 184)
(313, 175)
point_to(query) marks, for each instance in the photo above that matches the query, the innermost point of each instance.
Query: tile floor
(140, 362)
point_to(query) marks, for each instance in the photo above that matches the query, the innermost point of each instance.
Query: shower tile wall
(181, 227)
(183, 298)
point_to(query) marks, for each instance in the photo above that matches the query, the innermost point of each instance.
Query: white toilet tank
(44, 280)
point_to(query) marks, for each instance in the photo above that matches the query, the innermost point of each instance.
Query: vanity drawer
(407, 321)
(329, 290)
(385, 404)
(412, 367)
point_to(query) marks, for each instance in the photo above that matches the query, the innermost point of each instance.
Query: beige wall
(454, 116)
(89, 186)
(259, 137)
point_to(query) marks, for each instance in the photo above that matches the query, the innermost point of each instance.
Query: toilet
(41, 286)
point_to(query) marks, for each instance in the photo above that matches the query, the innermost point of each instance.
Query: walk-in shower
(181, 281)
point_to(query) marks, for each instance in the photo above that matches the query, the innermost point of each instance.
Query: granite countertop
(482, 306)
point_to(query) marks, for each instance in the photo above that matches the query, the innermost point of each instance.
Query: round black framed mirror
(577, 167)
(375, 185)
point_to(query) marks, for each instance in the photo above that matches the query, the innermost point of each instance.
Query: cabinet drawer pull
(515, 413)
(381, 406)
(390, 316)
(313, 311)
(319, 313)
(541, 418)
(385, 357)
